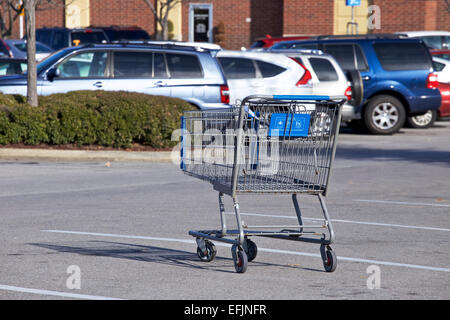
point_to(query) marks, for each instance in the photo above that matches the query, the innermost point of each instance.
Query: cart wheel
(252, 250)
(329, 258)
(240, 259)
(210, 253)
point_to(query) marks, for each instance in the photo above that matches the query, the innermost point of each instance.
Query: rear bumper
(349, 113)
(429, 99)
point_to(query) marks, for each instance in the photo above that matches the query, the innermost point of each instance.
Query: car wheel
(423, 121)
(384, 115)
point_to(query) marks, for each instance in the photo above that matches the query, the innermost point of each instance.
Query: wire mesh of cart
(264, 145)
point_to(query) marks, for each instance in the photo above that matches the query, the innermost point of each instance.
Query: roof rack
(197, 46)
(363, 36)
(305, 51)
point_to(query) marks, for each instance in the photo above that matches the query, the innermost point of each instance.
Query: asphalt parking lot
(122, 230)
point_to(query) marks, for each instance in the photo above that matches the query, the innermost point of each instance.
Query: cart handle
(306, 97)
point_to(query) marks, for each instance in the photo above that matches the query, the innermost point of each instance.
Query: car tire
(384, 115)
(354, 76)
(423, 121)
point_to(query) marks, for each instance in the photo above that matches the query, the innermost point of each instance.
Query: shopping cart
(265, 144)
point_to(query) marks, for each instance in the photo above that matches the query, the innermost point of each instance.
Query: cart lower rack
(266, 144)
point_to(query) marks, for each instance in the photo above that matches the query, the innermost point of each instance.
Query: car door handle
(98, 84)
(366, 78)
(160, 84)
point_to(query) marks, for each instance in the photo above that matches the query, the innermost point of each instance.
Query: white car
(250, 73)
(433, 39)
(327, 77)
(442, 68)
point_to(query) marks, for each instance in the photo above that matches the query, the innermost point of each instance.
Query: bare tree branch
(161, 13)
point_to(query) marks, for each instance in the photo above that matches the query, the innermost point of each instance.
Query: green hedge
(112, 119)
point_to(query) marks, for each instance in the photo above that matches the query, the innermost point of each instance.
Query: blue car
(392, 77)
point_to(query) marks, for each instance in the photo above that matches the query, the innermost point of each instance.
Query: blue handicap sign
(280, 125)
(353, 3)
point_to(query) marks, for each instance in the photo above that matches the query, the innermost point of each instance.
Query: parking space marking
(298, 253)
(55, 293)
(404, 203)
(344, 221)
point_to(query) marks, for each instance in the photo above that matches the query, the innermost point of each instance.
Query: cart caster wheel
(240, 259)
(329, 258)
(251, 250)
(210, 253)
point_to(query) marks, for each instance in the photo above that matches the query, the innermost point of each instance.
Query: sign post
(353, 24)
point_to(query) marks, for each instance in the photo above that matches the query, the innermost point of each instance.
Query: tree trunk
(30, 21)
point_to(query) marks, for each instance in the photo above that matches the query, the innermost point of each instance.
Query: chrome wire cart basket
(265, 144)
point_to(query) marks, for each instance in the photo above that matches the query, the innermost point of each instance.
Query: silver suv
(182, 71)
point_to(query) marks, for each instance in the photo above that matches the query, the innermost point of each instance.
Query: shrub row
(112, 119)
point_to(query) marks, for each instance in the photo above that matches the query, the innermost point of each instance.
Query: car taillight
(348, 93)
(432, 81)
(306, 78)
(224, 94)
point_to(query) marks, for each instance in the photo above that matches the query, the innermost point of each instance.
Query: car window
(159, 66)
(438, 66)
(257, 44)
(133, 64)
(443, 56)
(361, 62)
(59, 40)
(22, 46)
(4, 66)
(44, 36)
(434, 42)
(304, 46)
(269, 69)
(324, 69)
(12, 67)
(343, 55)
(87, 37)
(184, 66)
(84, 65)
(238, 68)
(402, 56)
(445, 42)
(349, 56)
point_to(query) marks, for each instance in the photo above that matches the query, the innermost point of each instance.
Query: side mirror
(53, 73)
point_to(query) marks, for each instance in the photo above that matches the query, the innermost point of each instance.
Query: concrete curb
(88, 155)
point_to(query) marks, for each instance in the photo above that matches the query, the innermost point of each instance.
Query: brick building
(246, 20)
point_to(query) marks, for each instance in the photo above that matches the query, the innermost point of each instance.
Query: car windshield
(39, 47)
(283, 45)
(52, 59)
(258, 44)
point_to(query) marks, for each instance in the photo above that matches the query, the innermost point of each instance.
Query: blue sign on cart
(280, 125)
(353, 3)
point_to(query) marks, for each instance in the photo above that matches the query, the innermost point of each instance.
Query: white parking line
(344, 221)
(55, 293)
(404, 203)
(298, 253)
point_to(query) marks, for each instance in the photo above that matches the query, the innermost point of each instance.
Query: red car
(268, 41)
(444, 110)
